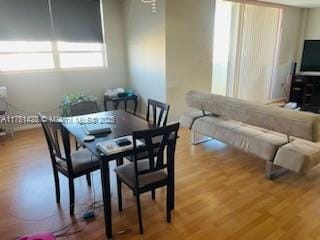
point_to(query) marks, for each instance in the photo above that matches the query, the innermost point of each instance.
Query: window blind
(30, 20)
(257, 52)
(25, 20)
(77, 20)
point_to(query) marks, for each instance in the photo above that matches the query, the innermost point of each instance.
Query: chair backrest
(55, 133)
(83, 107)
(160, 112)
(157, 142)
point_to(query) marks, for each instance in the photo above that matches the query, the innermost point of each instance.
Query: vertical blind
(257, 52)
(48, 20)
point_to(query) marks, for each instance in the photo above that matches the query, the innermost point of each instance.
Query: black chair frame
(52, 131)
(169, 135)
(162, 108)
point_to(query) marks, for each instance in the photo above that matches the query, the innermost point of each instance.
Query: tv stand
(305, 91)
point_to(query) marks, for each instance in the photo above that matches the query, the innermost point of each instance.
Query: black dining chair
(155, 171)
(157, 115)
(83, 108)
(159, 112)
(70, 164)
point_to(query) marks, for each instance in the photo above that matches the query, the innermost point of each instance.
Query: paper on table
(111, 147)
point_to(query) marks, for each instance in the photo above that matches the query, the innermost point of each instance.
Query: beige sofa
(284, 138)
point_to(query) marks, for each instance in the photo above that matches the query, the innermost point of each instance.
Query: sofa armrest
(187, 119)
(298, 156)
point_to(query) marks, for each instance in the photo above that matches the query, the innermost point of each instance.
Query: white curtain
(245, 50)
(256, 52)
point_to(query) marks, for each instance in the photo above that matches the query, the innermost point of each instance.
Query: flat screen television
(311, 56)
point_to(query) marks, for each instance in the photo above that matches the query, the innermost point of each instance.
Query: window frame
(58, 52)
(56, 61)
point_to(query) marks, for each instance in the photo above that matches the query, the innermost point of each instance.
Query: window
(50, 34)
(246, 47)
(19, 55)
(79, 55)
(22, 56)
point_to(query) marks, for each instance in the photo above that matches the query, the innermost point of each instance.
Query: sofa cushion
(261, 142)
(298, 156)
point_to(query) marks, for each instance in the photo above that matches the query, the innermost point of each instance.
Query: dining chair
(155, 171)
(159, 112)
(83, 108)
(157, 115)
(70, 164)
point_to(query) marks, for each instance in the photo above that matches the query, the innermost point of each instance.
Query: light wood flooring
(221, 193)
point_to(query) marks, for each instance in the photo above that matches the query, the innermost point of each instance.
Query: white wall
(145, 35)
(170, 52)
(43, 91)
(310, 30)
(313, 24)
(290, 32)
(189, 43)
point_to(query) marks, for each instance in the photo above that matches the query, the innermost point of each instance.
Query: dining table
(121, 124)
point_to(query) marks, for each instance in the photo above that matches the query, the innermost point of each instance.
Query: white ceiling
(296, 3)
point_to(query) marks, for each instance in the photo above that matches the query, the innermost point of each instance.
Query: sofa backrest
(292, 123)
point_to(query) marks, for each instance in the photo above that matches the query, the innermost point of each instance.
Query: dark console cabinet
(305, 90)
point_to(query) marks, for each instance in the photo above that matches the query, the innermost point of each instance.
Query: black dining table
(121, 124)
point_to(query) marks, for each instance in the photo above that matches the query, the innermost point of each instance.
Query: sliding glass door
(257, 53)
(245, 50)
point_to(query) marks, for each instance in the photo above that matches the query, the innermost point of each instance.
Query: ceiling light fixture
(153, 4)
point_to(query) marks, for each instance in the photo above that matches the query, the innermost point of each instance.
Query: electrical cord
(65, 229)
(43, 218)
(94, 206)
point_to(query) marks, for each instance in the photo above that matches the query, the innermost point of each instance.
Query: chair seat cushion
(127, 174)
(259, 141)
(298, 156)
(82, 160)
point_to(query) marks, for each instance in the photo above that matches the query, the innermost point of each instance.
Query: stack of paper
(111, 147)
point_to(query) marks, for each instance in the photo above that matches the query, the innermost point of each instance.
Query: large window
(80, 55)
(18, 55)
(22, 56)
(50, 34)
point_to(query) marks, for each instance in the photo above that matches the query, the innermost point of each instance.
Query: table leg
(115, 105)
(105, 179)
(105, 105)
(135, 106)
(125, 105)
(171, 149)
(173, 182)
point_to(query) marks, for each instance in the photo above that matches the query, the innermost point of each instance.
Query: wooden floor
(221, 193)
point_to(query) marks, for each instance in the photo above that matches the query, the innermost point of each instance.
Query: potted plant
(72, 98)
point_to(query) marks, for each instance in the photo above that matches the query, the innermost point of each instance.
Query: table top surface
(124, 124)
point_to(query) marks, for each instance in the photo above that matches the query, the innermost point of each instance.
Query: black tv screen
(311, 56)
